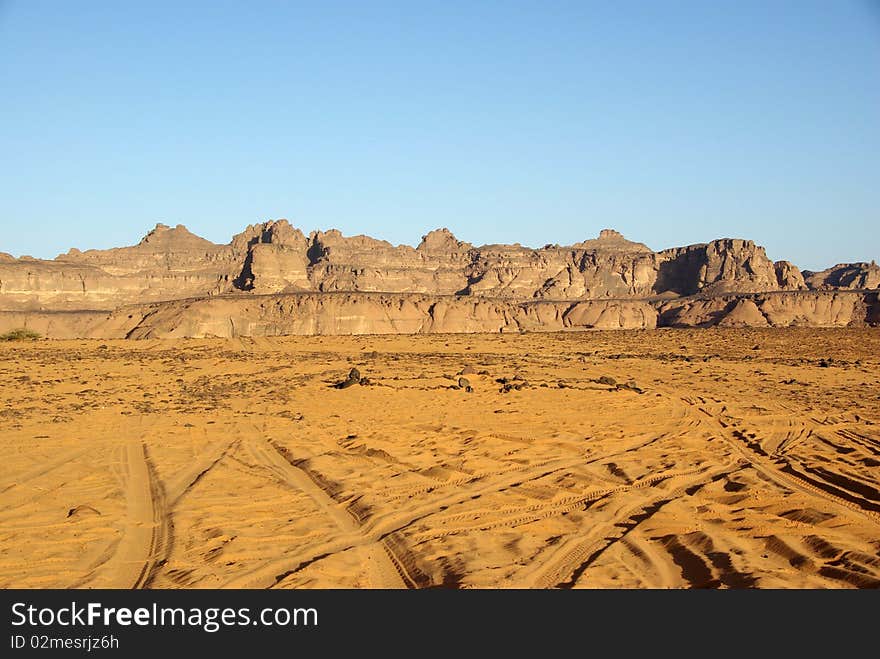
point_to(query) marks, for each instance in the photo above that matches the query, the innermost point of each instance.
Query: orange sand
(736, 460)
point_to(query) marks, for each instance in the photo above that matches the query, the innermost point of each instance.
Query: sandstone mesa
(272, 279)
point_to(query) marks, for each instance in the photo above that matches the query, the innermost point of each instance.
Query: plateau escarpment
(177, 284)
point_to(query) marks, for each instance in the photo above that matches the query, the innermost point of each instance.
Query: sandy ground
(739, 458)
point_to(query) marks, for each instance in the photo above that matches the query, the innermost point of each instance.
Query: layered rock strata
(329, 283)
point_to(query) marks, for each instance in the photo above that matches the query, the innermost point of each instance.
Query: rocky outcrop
(390, 313)
(721, 266)
(789, 277)
(365, 313)
(743, 313)
(855, 276)
(162, 249)
(776, 309)
(361, 263)
(872, 300)
(604, 282)
(274, 257)
(167, 263)
(32, 285)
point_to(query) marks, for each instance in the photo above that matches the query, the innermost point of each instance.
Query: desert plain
(676, 458)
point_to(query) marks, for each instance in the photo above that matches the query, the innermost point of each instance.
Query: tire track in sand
(569, 561)
(146, 536)
(781, 471)
(385, 567)
(143, 490)
(15, 493)
(44, 468)
(384, 526)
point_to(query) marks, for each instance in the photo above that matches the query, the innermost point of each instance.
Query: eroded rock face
(163, 248)
(605, 282)
(366, 313)
(735, 265)
(789, 277)
(872, 301)
(394, 313)
(856, 276)
(776, 309)
(274, 257)
(167, 263)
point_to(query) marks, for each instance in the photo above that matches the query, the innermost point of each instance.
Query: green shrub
(20, 334)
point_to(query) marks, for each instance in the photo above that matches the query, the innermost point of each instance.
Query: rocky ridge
(329, 283)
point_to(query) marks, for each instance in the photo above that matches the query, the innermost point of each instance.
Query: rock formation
(845, 275)
(329, 283)
(789, 277)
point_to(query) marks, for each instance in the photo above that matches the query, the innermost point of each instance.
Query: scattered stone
(468, 370)
(354, 377)
(84, 508)
(464, 383)
(631, 386)
(605, 379)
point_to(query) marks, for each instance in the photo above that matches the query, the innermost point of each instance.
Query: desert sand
(716, 458)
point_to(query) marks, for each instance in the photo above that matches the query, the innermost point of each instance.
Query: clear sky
(537, 122)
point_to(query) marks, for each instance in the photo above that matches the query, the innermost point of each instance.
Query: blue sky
(674, 122)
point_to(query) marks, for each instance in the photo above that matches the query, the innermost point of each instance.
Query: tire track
(15, 494)
(146, 536)
(44, 468)
(404, 493)
(388, 569)
(129, 471)
(407, 492)
(381, 527)
(516, 516)
(571, 558)
(203, 463)
(786, 478)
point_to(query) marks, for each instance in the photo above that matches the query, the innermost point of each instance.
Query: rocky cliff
(465, 287)
(168, 263)
(775, 309)
(413, 313)
(858, 276)
(365, 313)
